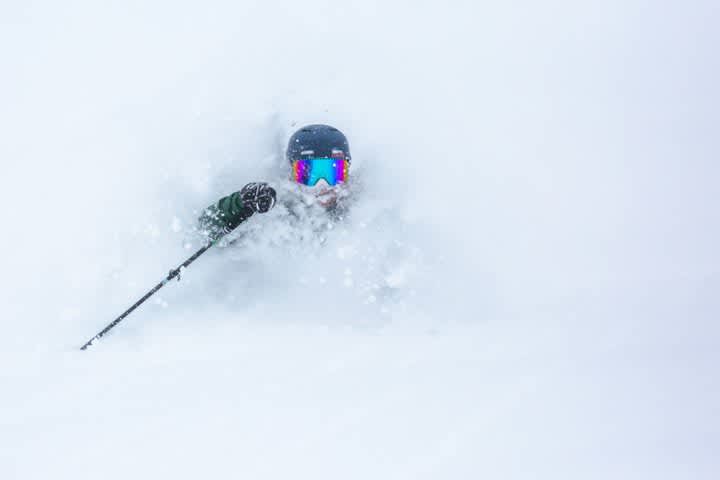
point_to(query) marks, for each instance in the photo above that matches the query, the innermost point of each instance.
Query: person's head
(319, 157)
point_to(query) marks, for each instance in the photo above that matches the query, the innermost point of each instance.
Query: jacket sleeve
(224, 216)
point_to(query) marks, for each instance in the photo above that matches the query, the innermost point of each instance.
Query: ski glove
(229, 212)
(259, 196)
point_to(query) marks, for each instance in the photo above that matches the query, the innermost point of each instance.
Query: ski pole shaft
(173, 273)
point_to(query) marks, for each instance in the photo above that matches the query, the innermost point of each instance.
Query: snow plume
(526, 286)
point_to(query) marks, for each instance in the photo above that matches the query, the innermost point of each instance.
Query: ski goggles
(309, 171)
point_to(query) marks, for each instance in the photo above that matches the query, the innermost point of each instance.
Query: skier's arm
(229, 212)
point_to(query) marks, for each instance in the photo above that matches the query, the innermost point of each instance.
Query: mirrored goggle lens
(312, 170)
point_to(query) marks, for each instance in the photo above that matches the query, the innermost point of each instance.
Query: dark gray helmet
(316, 141)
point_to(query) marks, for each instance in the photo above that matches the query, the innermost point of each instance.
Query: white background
(540, 191)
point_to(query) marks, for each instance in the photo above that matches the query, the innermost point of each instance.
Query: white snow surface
(527, 287)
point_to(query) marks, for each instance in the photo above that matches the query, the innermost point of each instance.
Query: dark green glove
(229, 212)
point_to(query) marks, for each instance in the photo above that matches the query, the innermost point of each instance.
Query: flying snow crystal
(161, 302)
(152, 230)
(396, 279)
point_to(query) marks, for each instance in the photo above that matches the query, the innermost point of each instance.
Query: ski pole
(173, 273)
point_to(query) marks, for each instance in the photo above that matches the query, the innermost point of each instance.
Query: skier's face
(322, 194)
(324, 178)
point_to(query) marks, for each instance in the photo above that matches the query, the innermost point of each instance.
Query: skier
(319, 160)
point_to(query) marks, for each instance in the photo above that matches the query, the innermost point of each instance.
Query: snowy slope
(527, 287)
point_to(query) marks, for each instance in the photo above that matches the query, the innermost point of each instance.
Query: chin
(326, 197)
